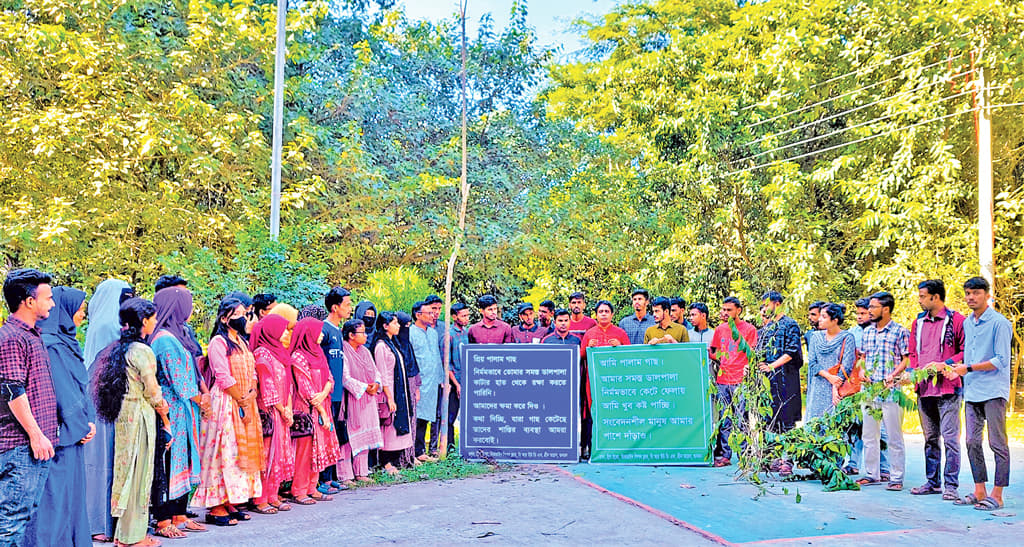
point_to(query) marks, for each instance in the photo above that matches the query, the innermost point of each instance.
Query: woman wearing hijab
(286, 311)
(313, 386)
(367, 312)
(391, 367)
(177, 464)
(232, 438)
(63, 498)
(103, 330)
(362, 384)
(412, 374)
(269, 341)
(127, 394)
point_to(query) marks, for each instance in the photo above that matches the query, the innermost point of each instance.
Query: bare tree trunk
(459, 237)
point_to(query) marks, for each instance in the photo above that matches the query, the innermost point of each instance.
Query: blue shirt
(636, 328)
(332, 347)
(459, 337)
(858, 335)
(987, 338)
(884, 349)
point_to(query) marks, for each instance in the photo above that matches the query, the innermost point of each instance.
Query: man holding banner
(603, 334)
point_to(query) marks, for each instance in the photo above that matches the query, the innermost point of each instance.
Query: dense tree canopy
(703, 147)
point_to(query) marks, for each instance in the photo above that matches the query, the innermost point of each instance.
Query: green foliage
(395, 289)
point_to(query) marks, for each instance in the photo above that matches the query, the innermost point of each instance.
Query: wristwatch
(970, 368)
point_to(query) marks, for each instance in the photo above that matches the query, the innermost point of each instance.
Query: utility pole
(986, 238)
(275, 162)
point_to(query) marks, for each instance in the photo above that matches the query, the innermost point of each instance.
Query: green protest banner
(650, 404)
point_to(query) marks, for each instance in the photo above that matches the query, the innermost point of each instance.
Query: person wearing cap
(527, 331)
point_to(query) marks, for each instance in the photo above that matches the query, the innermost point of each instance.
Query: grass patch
(453, 467)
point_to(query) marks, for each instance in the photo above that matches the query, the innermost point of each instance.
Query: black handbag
(267, 423)
(302, 422)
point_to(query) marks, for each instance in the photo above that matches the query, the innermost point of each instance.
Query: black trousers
(453, 415)
(168, 509)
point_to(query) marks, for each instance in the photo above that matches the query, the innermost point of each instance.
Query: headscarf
(313, 310)
(104, 323)
(173, 308)
(59, 327)
(405, 345)
(304, 341)
(267, 333)
(70, 379)
(241, 296)
(286, 311)
(371, 327)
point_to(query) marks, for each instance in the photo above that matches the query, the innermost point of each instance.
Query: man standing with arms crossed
(986, 375)
(28, 404)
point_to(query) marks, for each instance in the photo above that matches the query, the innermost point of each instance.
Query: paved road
(529, 505)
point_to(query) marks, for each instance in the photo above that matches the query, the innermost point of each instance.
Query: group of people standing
(965, 363)
(288, 406)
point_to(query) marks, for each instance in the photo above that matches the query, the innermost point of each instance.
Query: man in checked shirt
(28, 406)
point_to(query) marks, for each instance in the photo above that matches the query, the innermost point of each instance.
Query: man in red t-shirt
(579, 322)
(731, 366)
(604, 333)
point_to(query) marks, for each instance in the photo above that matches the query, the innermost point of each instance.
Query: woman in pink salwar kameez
(314, 384)
(274, 370)
(362, 383)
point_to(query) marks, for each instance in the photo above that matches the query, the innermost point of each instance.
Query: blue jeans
(21, 485)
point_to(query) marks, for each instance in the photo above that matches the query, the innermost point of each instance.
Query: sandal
(281, 506)
(894, 486)
(950, 495)
(988, 504)
(322, 497)
(867, 481)
(239, 516)
(969, 499)
(366, 480)
(265, 509)
(925, 490)
(170, 532)
(102, 538)
(304, 500)
(190, 525)
(220, 520)
(148, 541)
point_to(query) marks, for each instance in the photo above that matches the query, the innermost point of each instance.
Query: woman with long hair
(64, 491)
(177, 464)
(269, 341)
(127, 394)
(362, 384)
(232, 437)
(101, 336)
(391, 366)
(313, 386)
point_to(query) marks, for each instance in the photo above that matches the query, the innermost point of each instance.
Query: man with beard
(527, 331)
(579, 322)
(636, 325)
(490, 329)
(778, 345)
(936, 343)
(812, 321)
(886, 344)
(546, 317)
(604, 333)
(731, 369)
